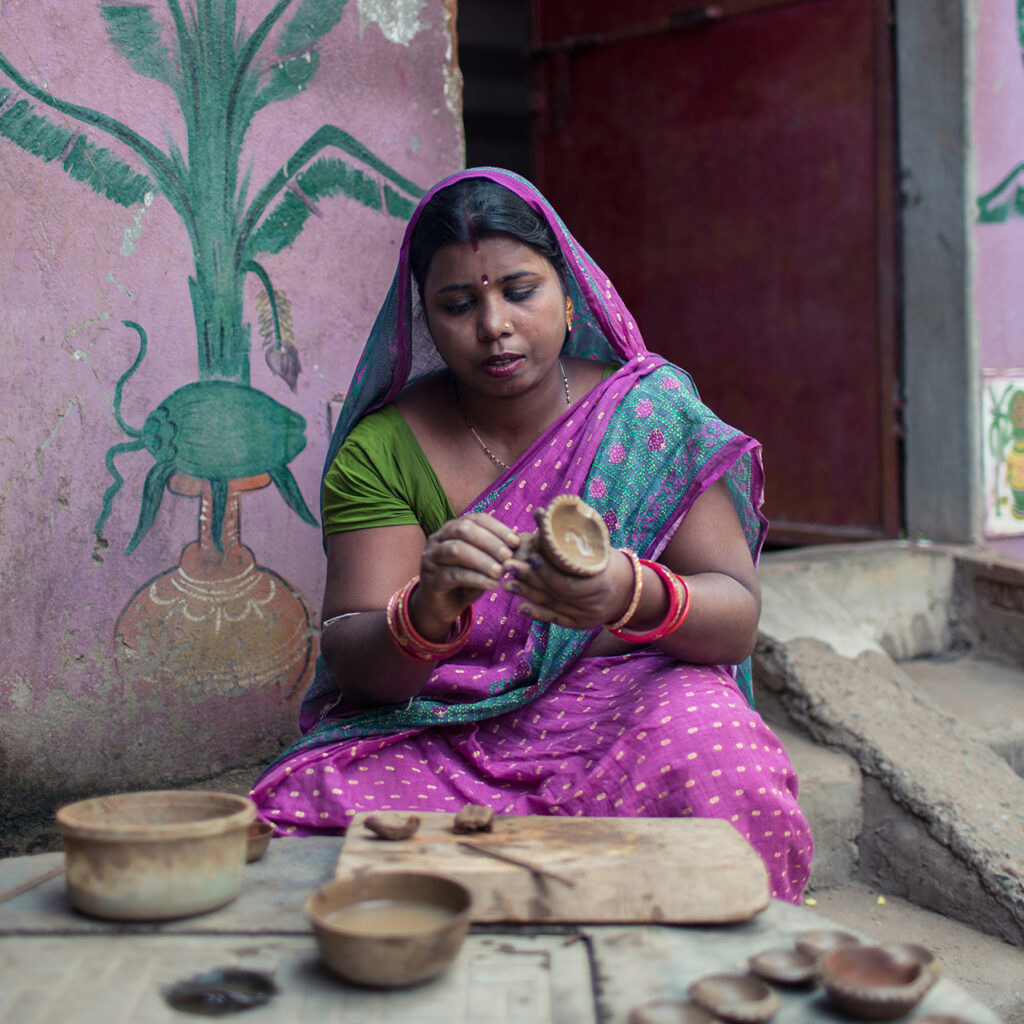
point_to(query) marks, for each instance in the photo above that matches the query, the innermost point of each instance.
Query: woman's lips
(503, 365)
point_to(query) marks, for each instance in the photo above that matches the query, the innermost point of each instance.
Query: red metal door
(732, 168)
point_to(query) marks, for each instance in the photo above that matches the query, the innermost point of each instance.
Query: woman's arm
(708, 550)
(458, 563)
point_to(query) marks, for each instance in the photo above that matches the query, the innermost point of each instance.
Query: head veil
(400, 348)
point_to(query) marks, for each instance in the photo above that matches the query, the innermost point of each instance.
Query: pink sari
(521, 719)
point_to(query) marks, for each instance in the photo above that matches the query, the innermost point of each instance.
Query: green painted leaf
(286, 484)
(396, 204)
(136, 33)
(99, 168)
(281, 226)
(1005, 200)
(106, 174)
(312, 20)
(327, 177)
(152, 495)
(32, 132)
(288, 78)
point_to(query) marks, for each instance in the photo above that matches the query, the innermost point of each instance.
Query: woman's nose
(493, 321)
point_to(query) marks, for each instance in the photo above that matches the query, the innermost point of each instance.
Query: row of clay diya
(868, 982)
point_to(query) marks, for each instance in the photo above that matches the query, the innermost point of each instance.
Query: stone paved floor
(58, 966)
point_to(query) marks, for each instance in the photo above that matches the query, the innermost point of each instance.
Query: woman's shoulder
(382, 426)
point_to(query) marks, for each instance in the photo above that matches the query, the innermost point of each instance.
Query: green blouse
(380, 477)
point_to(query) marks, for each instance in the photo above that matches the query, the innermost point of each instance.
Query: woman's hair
(471, 209)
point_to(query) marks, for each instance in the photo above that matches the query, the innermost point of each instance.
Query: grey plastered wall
(943, 490)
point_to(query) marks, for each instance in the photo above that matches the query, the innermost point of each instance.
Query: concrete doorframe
(943, 491)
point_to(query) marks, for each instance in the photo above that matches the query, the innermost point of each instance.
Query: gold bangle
(638, 589)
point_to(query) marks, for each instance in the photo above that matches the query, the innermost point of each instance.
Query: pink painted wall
(77, 714)
(997, 137)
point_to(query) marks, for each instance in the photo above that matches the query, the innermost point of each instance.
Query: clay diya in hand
(571, 535)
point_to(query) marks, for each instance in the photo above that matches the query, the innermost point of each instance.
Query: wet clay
(388, 917)
(392, 826)
(473, 818)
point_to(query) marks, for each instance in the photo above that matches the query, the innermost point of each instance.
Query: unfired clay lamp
(740, 998)
(571, 535)
(878, 982)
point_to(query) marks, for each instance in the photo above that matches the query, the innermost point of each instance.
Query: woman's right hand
(461, 561)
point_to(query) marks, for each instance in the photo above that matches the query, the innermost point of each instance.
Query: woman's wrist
(424, 618)
(635, 593)
(410, 641)
(678, 594)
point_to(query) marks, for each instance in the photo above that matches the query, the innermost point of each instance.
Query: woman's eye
(454, 309)
(521, 295)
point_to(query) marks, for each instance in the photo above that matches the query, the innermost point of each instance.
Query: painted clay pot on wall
(217, 625)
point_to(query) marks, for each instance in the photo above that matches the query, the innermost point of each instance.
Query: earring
(570, 309)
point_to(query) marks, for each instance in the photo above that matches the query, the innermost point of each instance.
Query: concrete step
(943, 813)
(985, 695)
(831, 799)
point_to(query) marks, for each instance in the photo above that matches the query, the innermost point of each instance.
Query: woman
(453, 671)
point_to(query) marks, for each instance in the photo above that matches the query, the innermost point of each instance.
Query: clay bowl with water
(155, 855)
(389, 930)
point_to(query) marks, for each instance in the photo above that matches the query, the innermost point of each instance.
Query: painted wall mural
(998, 132)
(217, 437)
(1003, 416)
(193, 118)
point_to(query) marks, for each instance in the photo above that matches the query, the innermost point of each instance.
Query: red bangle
(408, 639)
(678, 607)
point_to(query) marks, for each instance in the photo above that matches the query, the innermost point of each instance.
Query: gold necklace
(487, 451)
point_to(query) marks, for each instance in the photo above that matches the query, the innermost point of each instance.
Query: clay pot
(573, 536)
(741, 998)
(257, 840)
(155, 855)
(878, 982)
(390, 929)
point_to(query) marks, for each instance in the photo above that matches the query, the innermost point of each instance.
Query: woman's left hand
(578, 602)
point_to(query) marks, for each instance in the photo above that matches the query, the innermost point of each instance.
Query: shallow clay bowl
(157, 855)
(736, 997)
(573, 536)
(389, 929)
(257, 840)
(785, 966)
(875, 982)
(669, 1011)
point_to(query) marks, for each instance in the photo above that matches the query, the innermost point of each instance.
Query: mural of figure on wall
(216, 619)
(1003, 398)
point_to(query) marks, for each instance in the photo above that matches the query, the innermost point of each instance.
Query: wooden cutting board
(664, 870)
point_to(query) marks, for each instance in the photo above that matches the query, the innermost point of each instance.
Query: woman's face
(496, 312)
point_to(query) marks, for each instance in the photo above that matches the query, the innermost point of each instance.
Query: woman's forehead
(492, 256)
